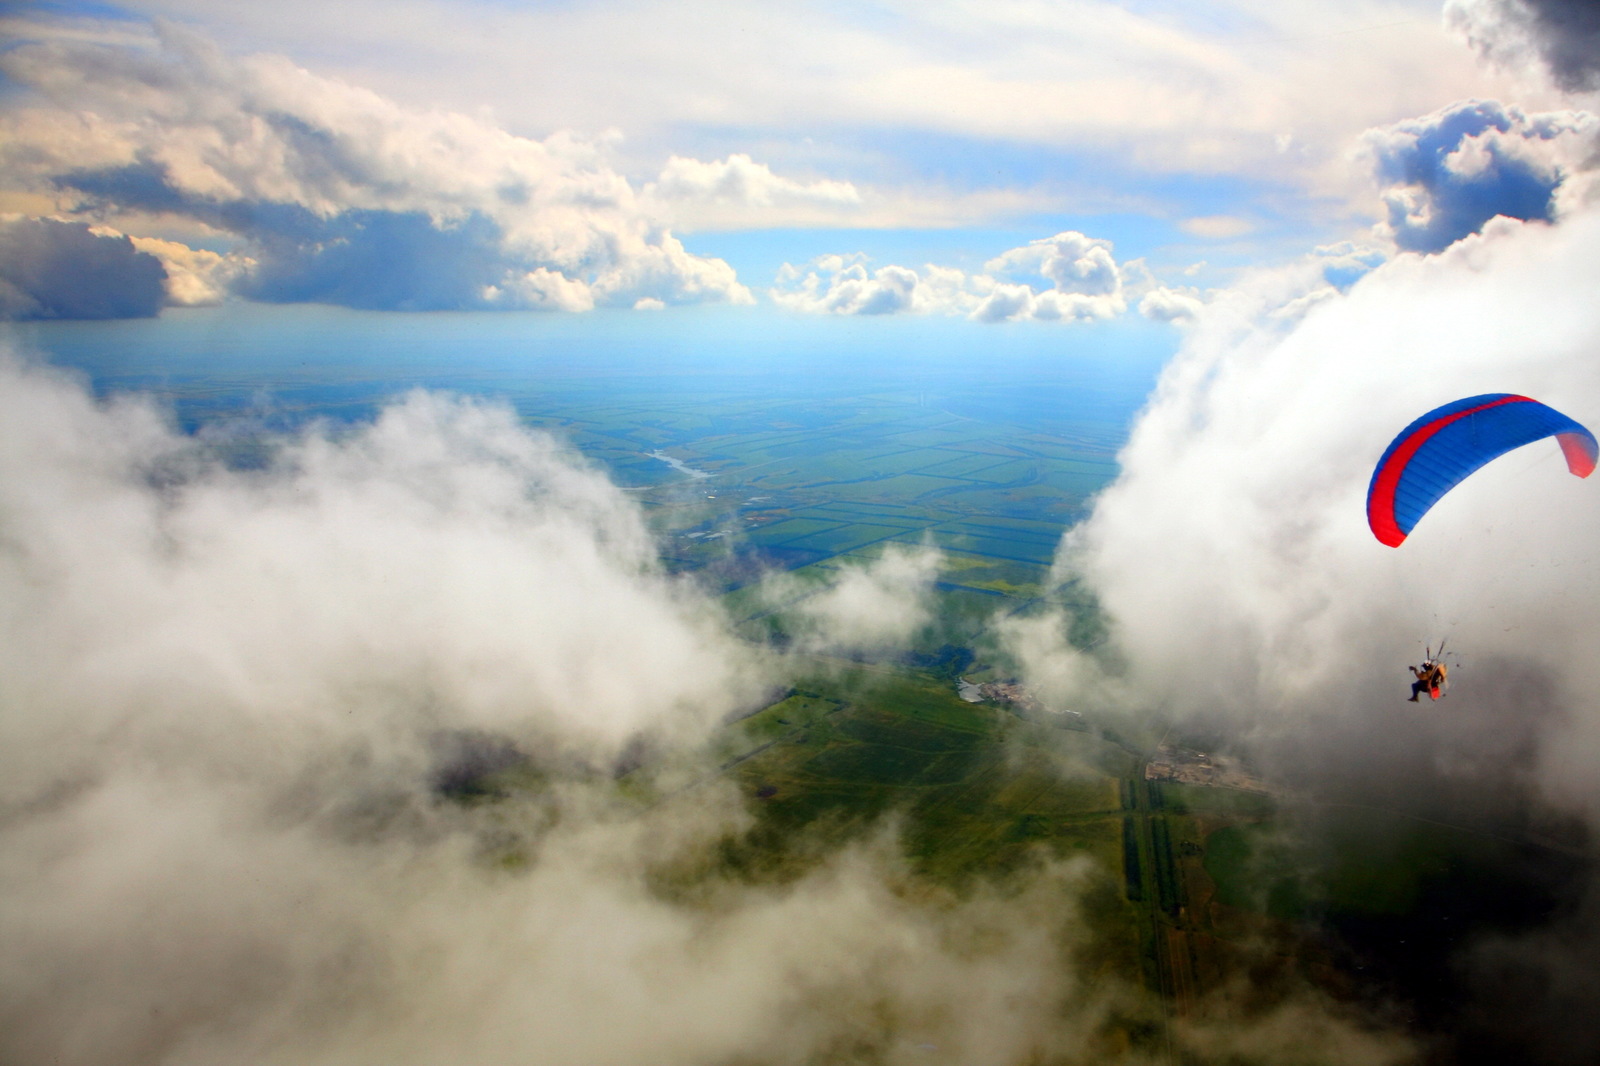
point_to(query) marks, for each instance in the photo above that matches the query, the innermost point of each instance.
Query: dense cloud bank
(1247, 594)
(338, 195)
(1563, 34)
(51, 269)
(1242, 497)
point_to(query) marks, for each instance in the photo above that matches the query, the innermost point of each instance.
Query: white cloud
(438, 569)
(1076, 276)
(338, 193)
(542, 289)
(1246, 594)
(1171, 305)
(1152, 91)
(1069, 262)
(1161, 87)
(841, 285)
(741, 180)
(740, 191)
(1277, 296)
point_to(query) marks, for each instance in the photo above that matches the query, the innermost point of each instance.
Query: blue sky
(428, 155)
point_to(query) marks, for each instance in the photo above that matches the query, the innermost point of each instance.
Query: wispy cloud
(866, 606)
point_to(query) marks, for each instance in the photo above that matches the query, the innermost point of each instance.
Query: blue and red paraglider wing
(1435, 453)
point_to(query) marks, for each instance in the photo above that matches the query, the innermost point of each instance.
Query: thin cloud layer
(1448, 173)
(337, 194)
(282, 945)
(740, 191)
(871, 607)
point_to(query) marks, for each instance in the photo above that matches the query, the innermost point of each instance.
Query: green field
(792, 484)
(978, 790)
(1186, 885)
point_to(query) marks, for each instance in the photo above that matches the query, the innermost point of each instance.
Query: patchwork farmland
(799, 484)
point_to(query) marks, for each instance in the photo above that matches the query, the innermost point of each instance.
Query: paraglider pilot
(1430, 679)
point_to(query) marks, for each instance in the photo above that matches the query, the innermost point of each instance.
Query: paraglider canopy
(1435, 453)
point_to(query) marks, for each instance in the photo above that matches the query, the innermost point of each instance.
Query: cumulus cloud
(1170, 305)
(1069, 261)
(1246, 591)
(55, 269)
(1563, 34)
(842, 285)
(1068, 277)
(1446, 174)
(196, 277)
(336, 193)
